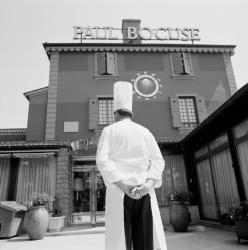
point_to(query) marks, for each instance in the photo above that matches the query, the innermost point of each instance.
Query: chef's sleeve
(156, 161)
(106, 166)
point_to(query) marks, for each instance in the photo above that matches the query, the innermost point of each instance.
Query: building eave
(164, 140)
(121, 47)
(7, 145)
(35, 92)
(224, 111)
(11, 131)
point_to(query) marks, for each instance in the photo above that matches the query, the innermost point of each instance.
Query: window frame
(99, 97)
(185, 96)
(183, 129)
(115, 76)
(201, 110)
(182, 76)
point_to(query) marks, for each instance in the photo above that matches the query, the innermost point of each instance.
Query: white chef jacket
(128, 151)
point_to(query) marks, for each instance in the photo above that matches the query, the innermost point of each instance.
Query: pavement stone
(197, 238)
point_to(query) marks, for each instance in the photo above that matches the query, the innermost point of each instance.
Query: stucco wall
(37, 117)
(76, 83)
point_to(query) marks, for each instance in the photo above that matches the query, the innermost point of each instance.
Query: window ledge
(179, 77)
(185, 130)
(103, 77)
(101, 127)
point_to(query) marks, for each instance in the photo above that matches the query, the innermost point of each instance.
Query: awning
(5, 155)
(34, 155)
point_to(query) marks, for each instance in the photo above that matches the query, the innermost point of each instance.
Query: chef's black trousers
(138, 223)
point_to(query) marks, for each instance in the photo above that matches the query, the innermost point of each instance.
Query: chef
(130, 161)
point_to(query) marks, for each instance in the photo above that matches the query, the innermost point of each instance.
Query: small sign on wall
(71, 126)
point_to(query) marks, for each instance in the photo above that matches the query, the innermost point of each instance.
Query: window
(188, 115)
(4, 177)
(36, 175)
(187, 110)
(100, 112)
(106, 65)
(181, 65)
(105, 111)
(26, 173)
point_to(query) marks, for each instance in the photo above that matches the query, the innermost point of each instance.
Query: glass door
(88, 196)
(82, 197)
(99, 198)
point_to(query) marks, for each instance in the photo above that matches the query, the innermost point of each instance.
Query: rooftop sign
(132, 33)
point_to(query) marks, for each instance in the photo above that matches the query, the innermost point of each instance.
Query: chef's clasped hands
(135, 192)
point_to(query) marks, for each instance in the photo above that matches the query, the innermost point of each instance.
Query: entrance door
(99, 198)
(88, 196)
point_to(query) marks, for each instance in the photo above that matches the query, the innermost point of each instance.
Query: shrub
(183, 196)
(241, 213)
(40, 199)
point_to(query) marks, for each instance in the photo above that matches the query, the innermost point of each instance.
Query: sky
(26, 24)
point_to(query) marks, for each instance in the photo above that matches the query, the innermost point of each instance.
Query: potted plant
(36, 221)
(56, 221)
(227, 218)
(241, 221)
(179, 212)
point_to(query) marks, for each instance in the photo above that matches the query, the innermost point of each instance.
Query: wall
(63, 182)
(76, 83)
(37, 117)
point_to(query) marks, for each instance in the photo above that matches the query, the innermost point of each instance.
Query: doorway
(88, 206)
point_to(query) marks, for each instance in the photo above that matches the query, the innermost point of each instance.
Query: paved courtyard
(200, 238)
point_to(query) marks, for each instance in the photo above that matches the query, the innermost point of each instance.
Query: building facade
(218, 161)
(176, 87)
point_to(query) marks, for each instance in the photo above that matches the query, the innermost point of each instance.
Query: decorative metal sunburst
(147, 85)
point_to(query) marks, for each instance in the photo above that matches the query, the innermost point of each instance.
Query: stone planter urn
(55, 224)
(240, 216)
(36, 222)
(241, 228)
(179, 216)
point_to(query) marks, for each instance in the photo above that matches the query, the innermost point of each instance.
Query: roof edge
(4, 131)
(47, 44)
(218, 111)
(35, 92)
(37, 144)
(120, 47)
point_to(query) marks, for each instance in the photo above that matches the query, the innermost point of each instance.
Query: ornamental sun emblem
(147, 85)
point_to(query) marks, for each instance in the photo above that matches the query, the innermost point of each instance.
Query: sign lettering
(144, 33)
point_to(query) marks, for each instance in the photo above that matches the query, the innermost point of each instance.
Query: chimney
(130, 23)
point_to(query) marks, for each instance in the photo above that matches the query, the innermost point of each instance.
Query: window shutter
(93, 113)
(175, 112)
(177, 63)
(186, 61)
(111, 63)
(101, 67)
(201, 108)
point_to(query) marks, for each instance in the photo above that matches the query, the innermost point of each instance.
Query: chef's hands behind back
(136, 192)
(125, 187)
(143, 190)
